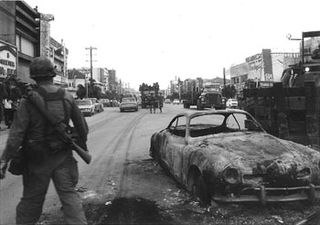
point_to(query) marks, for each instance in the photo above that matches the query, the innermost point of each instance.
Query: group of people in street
(10, 95)
(156, 102)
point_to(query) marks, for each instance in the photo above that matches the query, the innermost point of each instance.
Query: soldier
(46, 155)
(152, 102)
(160, 102)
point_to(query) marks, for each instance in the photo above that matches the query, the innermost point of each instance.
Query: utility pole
(91, 78)
(224, 77)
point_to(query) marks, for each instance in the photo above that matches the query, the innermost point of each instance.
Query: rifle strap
(42, 109)
(53, 96)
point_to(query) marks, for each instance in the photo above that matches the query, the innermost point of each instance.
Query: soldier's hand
(3, 168)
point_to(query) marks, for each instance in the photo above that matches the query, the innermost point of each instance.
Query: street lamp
(289, 36)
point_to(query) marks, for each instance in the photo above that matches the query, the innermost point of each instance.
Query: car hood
(256, 152)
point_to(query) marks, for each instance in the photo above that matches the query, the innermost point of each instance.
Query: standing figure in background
(160, 99)
(3, 95)
(152, 102)
(8, 112)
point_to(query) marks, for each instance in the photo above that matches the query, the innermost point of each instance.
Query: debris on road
(278, 219)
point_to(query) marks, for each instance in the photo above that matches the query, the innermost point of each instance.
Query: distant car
(128, 104)
(106, 102)
(114, 103)
(176, 102)
(226, 156)
(98, 105)
(167, 101)
(86, 106)
(232, 103)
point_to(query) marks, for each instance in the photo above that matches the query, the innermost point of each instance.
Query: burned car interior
(213, 124)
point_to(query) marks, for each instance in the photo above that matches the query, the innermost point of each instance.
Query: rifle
(65, 132)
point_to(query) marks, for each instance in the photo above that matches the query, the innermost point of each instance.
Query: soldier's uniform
(44, 165)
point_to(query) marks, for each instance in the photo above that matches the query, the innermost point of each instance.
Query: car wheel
(199, 106)
(154, 154)
(199, 190)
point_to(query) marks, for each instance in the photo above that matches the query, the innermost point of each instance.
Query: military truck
(207, 97)
(146, 98)
(290, 109)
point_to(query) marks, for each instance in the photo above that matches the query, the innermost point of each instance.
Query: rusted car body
(225, 155)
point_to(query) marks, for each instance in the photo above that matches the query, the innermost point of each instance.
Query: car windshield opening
(219, 123)
(206, 124)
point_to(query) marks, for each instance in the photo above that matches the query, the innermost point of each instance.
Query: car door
(174, 143)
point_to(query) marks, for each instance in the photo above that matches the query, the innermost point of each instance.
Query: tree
(81, 92)
(96, 92)
(229, 91)
(174, 95)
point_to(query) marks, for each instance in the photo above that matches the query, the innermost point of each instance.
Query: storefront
(8, 60)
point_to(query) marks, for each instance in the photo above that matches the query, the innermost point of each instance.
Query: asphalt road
(116, 141)
(122, 185)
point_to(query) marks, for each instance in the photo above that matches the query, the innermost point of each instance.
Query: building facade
(25, 34)
(8, 50)
(265, 66)
(112, 81)
(59, 56)
(19, 39)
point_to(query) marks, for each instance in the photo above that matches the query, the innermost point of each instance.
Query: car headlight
(231, 175)
(304, 173)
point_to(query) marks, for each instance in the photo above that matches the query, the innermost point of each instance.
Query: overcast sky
(156, 40)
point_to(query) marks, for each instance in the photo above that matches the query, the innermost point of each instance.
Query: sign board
(268, 77)
(8, 60)
(255, 62)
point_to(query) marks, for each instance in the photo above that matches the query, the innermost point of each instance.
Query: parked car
(225, 155)
(86, 106)
(129, 103)
(98, 105)
(176, 102)
(167, 101)
(232, 103)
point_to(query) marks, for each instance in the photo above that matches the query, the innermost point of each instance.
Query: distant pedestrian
(3, 95)
(8, 112)
(160, 102)
(152, 103)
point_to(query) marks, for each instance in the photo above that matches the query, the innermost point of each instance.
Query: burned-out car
(225, 155)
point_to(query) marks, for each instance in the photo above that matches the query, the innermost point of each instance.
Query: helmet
(41, 67)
